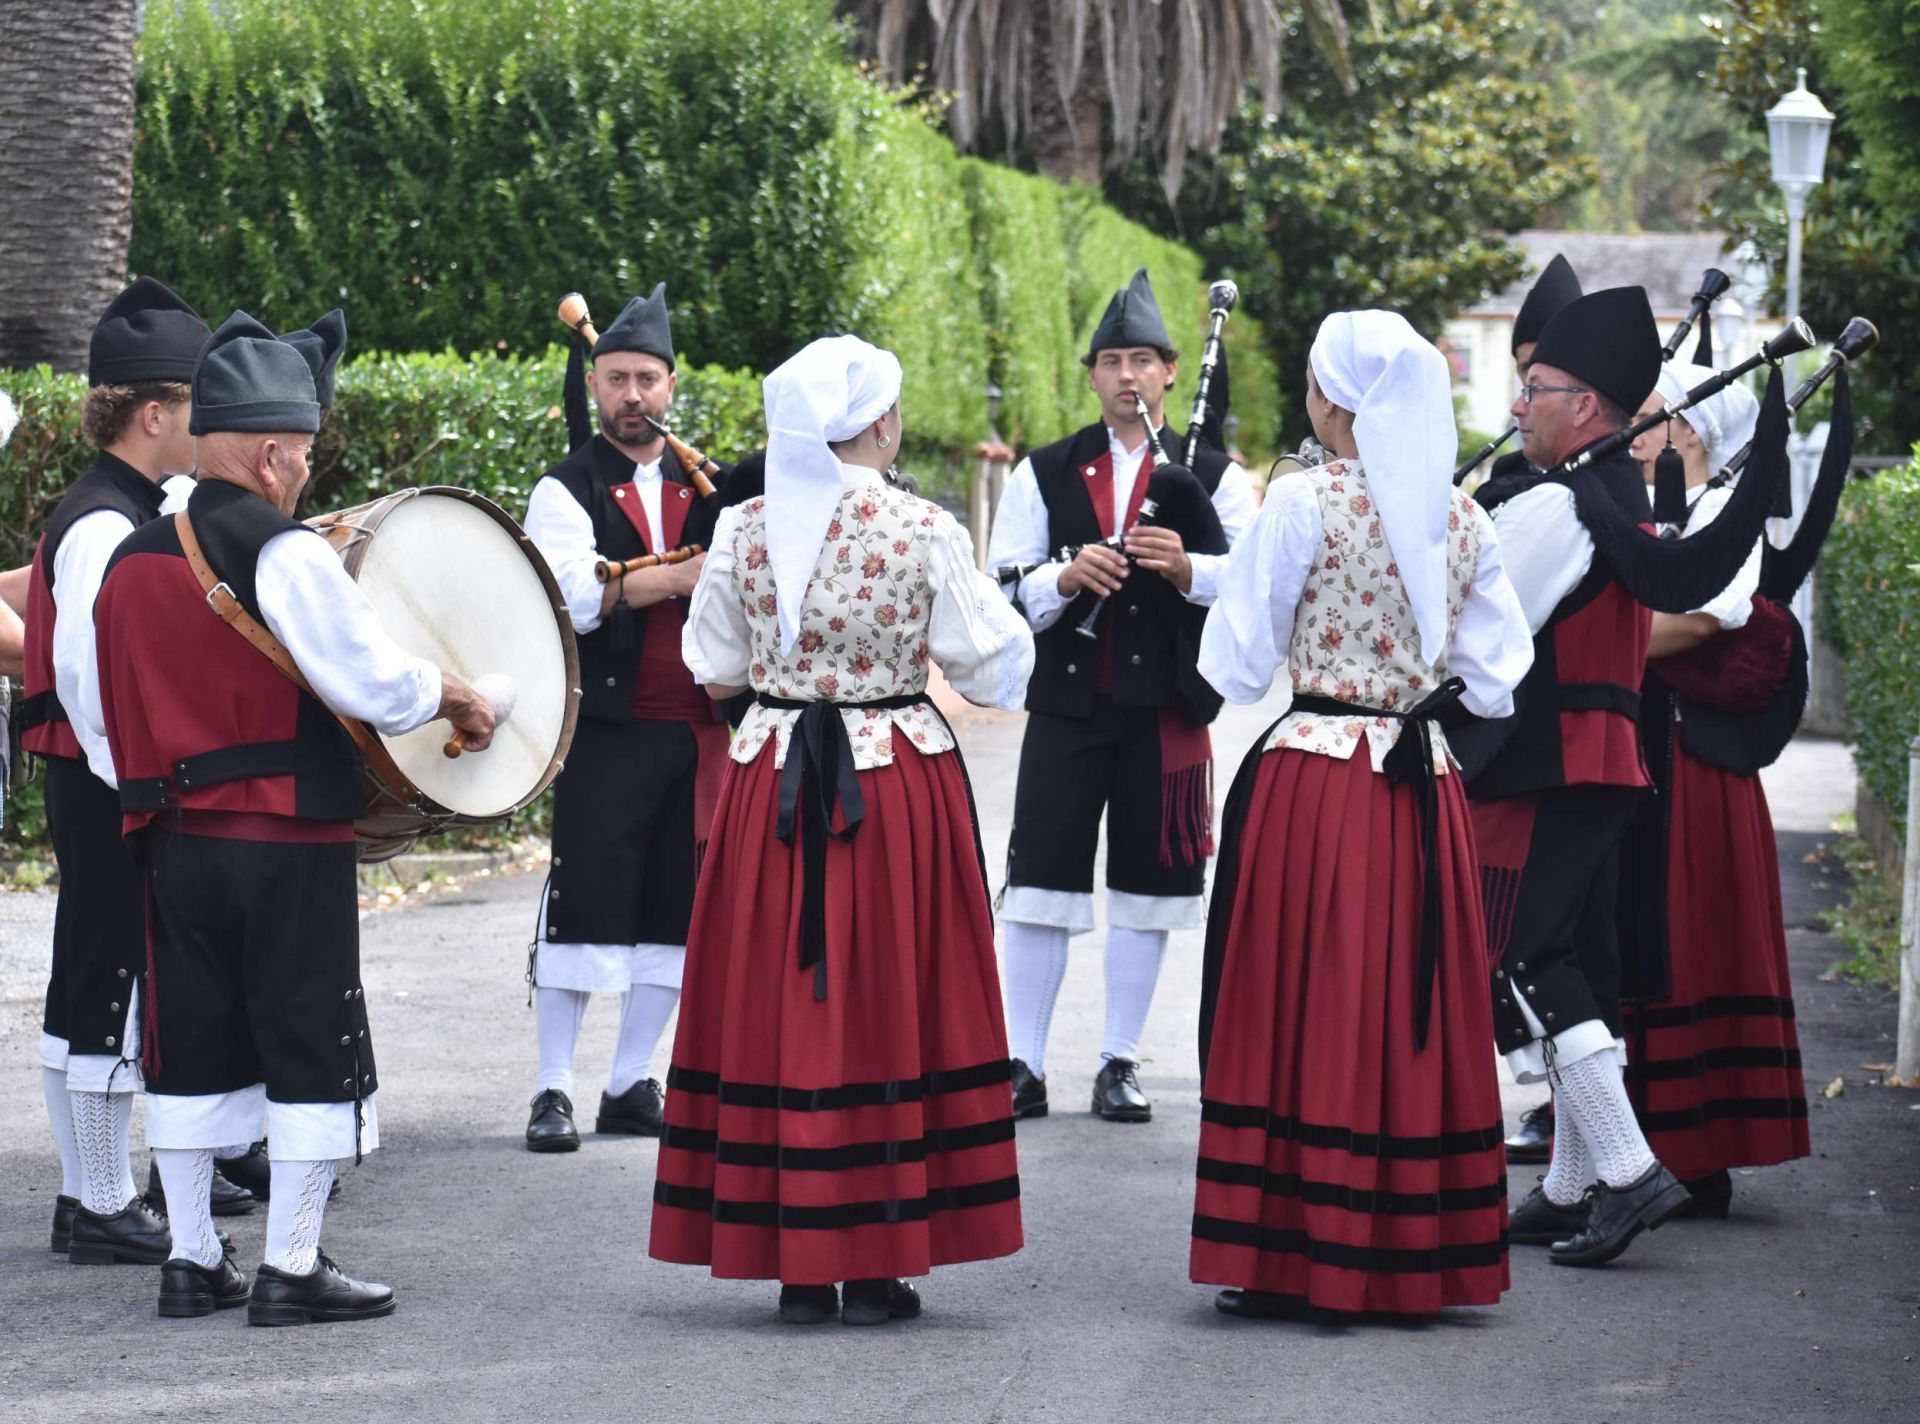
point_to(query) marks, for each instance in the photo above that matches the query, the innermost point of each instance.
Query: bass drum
(456, 581)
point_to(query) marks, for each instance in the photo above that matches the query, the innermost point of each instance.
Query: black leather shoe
(550, 1123)
(63, 1209)
(1540, 1222)
(228, 1199)
(808, 1305)
(324, 1293)
(135, 1236)
(641, 1111)
(1029, 1092)
(1116, 1092)
(1619, 1215)
(1532, 1145)
(1712, 1196)
(875, 1302)
(252, 1171)
(188, 1289)
(1261, 1305)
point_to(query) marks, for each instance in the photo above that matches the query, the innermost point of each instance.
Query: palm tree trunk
(1066, 140)
(66, 173)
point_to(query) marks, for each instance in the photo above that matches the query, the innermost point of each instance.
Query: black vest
(610, 654)
(1154, 631)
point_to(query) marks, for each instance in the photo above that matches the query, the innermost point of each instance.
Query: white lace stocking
(186, 1173)
(1597, 1095)
(100, 1125)
(294, 1214)
(1570, 1170)
(53, 1087)
(1036, 965)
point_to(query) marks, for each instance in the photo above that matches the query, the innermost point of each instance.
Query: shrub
(1870, 582)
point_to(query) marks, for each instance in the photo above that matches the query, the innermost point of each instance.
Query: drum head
(452, 583)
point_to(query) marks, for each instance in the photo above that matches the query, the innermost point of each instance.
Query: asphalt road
(525, 1290)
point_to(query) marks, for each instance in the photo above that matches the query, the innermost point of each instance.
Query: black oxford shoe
(188, 1289)
(550, 1123)
(875, 1302)
(1116, 1092)
(1619, 1214)
(641, 1111)
(324, 1293)
(134, 1236)
(1261, 1305)
(1532, 1145)
(228, 1199)
(1539, 1221)
(1029, 1092)
(808, 1305)
(63, 1209)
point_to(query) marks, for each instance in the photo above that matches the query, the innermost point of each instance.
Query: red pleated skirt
(1337, 1164)
(869, 1134)
(1714, 1068)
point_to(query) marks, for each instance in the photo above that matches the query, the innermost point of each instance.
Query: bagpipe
(1713, 283)
(702, 472)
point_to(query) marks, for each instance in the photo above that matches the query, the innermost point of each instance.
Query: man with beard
(614, 917)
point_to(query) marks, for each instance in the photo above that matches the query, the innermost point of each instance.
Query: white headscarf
(830, 390)
(1723, 421)
(1399, 388)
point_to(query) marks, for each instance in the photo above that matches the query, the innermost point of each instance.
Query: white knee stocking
(644, 1011)
(1597, 1095)
(1570, 1170)
(558, 1013)
(1036, 965)
(186, 1174)
(1133, 969)
(295, 1211)
(100, 1125)
(53, 1087)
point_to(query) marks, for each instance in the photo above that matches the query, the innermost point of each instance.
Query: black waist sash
(1410, 761)
(819, 775)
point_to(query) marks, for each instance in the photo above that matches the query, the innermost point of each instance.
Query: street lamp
(1797, 129)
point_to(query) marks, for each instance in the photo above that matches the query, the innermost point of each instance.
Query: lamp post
(1797, 130)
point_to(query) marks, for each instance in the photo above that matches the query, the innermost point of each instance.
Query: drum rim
(366, 519)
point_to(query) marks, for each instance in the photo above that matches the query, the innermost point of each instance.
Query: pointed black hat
(146, 334)
(247, 379)
(1608, 340)
(322, 343)
(1552, 289)
(643, 326)
(1132, 319)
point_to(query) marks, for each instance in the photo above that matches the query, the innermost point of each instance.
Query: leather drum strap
(221, 600)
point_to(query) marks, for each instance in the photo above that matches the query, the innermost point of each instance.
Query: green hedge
(1870, 582)
(445, 170)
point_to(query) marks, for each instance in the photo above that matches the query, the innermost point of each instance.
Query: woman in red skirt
(1350, 1140)
(1713, 1055)
(838, 1109)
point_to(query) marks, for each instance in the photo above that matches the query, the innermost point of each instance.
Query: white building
(1479, 341)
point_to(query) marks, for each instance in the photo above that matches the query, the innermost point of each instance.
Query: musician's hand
(1162, 552)
(683, 576)
(467, 710)
(1096, 568)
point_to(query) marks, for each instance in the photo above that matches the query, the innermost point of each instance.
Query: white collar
(1119, 449)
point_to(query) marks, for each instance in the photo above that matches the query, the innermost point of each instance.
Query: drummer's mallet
(498, 690)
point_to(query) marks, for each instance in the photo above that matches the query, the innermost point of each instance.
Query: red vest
(663, 688)
(200, 722)
(109, 483)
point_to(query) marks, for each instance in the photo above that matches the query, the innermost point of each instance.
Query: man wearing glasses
(1552, 807)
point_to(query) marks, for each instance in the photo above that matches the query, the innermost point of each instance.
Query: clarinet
(1085, 627)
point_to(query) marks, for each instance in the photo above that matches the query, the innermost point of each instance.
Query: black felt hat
(1552, 289)
(1608, 340)
(146, 334)
(642, 326)
(247, 379)
(322, 343)
(1132, 319)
